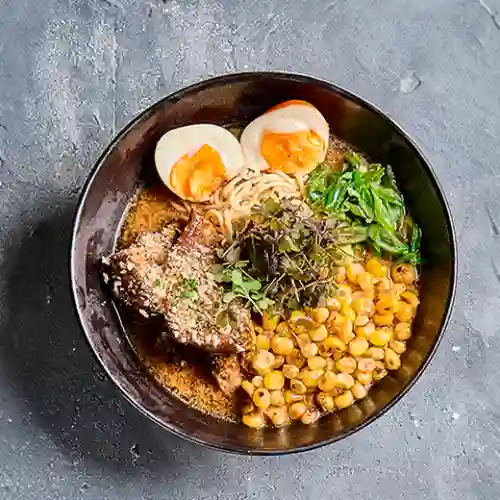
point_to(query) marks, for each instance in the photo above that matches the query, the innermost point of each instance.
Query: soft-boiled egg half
(193, 161)
(291, 137)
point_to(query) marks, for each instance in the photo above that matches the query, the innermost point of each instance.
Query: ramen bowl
(239, 98)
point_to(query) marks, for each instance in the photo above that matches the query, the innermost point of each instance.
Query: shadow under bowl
(121, 171)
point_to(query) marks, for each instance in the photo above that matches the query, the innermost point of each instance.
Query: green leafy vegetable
(286, 251)
(242, 285)
(366, 196)
(190, 289)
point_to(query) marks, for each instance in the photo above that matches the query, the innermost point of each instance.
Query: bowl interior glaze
(239, 98)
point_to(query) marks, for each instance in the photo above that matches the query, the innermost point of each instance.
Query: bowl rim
(235, 77)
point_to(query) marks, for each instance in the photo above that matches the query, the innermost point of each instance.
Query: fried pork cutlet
(158, 276)
(227, 373)
(135, 274)
(194, 297)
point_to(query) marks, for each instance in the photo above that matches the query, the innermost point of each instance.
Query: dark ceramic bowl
(234, 98)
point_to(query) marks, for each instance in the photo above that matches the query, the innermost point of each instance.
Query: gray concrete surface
(72, 72)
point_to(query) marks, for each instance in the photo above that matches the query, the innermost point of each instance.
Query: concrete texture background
(72, 72)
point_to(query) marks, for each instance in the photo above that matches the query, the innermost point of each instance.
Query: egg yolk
(292, 152)
(198, 175)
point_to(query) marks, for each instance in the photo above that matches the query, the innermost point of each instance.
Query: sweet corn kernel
(333, 321)
(342, 327)
(333, 304)
(262, 342)
(364, 378)
(257, 381)
(402, 331)
(254, 420)
(398, 289)
(383, 319)
(261, 398)
(381, 336)
(345, 400)
(316, 363)
(363, 306)
(291, 397)
(283, 329)
(352, 271)
(248, 387)
(309, 398)
(359, 391)
(398, 346)
(366, 364)
(392, 360)
(405, 312)
(358, 294)
(262, 361)
(325, 401)
(320, 314)
(410, 298)
(376, 353)
(303, 339)
(296, 410)
(296, 358)
(403, 273)
(336, 391)
(365, 282)
(386, 304)
(295, 315)
(380, 371)
(323, 350)
(310, 378)
(327, 382)
(346, 365)
(358, 346)
(330, 364)
(303, 325)
(274, 380)
(377, 268)
(270, 322)
(347, 333)
(282, 345)
(344, 294)
(361, 321)
(297, 386)
(278, 415)
(344, 381)
(277, 398)
(310, 416)
(258, 329)
(384, 285)
(290, 371)
(269, 334)
(308, 351)
(318, 334)
(278, 362)
(365, 331)
(333, 343)
(348, 313)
